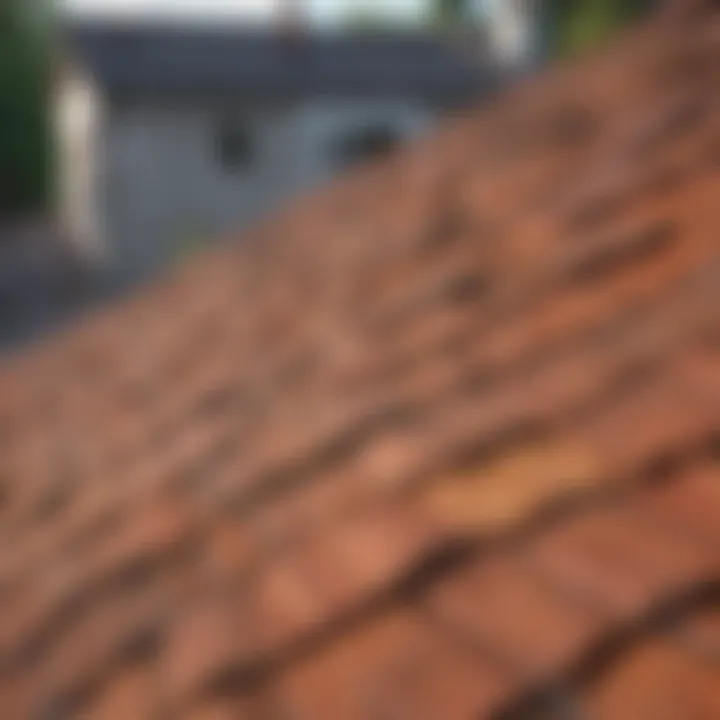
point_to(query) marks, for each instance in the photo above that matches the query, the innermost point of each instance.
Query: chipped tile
(512, 490)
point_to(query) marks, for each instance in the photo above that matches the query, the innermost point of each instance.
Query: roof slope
(170, 58)
(441, 442)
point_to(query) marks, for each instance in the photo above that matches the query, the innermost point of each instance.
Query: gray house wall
(164, 190)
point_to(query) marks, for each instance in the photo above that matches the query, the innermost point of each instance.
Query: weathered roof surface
(133, 58)
(441, 442)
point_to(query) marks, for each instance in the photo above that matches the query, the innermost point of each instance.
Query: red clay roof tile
(700, 633)
(514, 615)
(206, 641)
(690, 505)
(656, 681)
(130, 694)
(91, 642)
(621, 560)
(399, 666)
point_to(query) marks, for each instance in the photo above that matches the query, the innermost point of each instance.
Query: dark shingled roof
(173, 58)
(439, 443)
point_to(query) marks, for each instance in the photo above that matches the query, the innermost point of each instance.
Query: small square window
(234, 145)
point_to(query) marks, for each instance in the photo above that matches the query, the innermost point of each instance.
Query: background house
(171, 134)
(137, 108)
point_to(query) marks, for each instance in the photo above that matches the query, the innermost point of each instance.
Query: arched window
(372, 141)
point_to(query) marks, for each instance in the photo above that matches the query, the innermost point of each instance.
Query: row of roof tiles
(441, 442)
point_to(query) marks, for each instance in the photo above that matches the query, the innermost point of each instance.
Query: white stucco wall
(513, 31)
(78, 126)
(164, 191)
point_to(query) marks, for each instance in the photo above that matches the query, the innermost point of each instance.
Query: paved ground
(41, 285)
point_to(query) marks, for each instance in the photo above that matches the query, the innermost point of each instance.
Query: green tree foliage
(25, 137)
(575, 25)
(566, 26)
(451, 14)
(361, 20)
